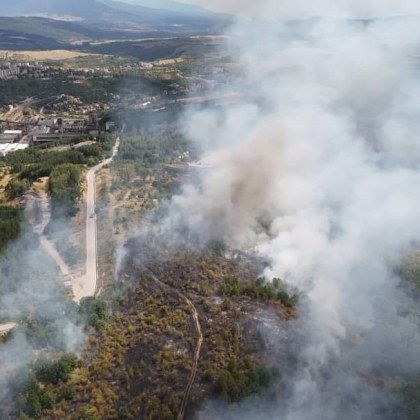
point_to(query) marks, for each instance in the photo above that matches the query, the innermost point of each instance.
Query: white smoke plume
(318, 169)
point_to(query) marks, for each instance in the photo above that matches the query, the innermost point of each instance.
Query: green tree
(64, 187)
(94, 311)
(9, 225)
(57, 371)
(16, 188)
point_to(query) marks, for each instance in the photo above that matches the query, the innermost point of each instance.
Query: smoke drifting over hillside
(318, 170)
(305, 8)
(32, 295)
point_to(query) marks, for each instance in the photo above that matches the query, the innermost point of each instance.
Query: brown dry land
(168, 61)
(44, 55)
(119, 214)
(4, 180)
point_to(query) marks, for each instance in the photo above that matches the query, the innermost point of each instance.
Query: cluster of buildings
(73, 104)
(9, 71)
(11, 147)
(47, 131)
(55, 129)
(16, 70)
(10, 136)
(26, 71)
(9, 142)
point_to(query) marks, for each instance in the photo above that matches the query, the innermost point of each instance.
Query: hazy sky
(300, 8)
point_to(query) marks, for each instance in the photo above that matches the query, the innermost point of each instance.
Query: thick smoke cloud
(305, 8)
(318, 170)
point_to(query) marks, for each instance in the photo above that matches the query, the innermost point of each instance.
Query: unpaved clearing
(169, 61)
(44, 55)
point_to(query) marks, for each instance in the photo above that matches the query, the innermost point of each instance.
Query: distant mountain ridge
(175, 6)
(99, 9)
(46, 23)
(55, 7)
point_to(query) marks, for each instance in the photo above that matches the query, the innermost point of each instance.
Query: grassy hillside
(156, 49)
(60, 31)
(55, 30)
(32, 33)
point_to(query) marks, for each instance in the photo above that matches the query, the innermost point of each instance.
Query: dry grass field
(44, 55)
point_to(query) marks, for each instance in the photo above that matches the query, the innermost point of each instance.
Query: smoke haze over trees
(324, 150)
(314, 168)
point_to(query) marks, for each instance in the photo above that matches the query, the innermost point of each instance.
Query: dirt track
(200, 338)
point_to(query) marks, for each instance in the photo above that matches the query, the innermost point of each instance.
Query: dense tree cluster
(57, 371)
(94, 312)
(243, 378)
(409, 271)
(16, 188)
(9, 225)
(47, 161)
(94, 89)
(276, 291)
(37, 396)
(166, 146)
(64, 188)
(29, 165)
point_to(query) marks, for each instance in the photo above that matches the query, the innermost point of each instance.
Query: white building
(7, 148)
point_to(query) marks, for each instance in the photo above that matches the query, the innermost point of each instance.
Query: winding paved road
(86, 286)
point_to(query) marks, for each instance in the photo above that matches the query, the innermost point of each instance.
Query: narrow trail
(46, 243)
(200, 338)
(54, 254)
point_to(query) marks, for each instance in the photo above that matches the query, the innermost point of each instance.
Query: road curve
(87, 285)
(200, 338)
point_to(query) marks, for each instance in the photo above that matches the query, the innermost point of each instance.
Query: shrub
(16, 188)
(230, 287)
(60, 370)
(94, 311)
(239, 380)
(218, 247)
(9, 225)
(278, 291)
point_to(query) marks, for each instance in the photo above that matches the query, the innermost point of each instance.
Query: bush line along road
(88, 283)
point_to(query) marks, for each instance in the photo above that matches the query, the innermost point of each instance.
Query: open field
(169, 61)
(44, 55)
